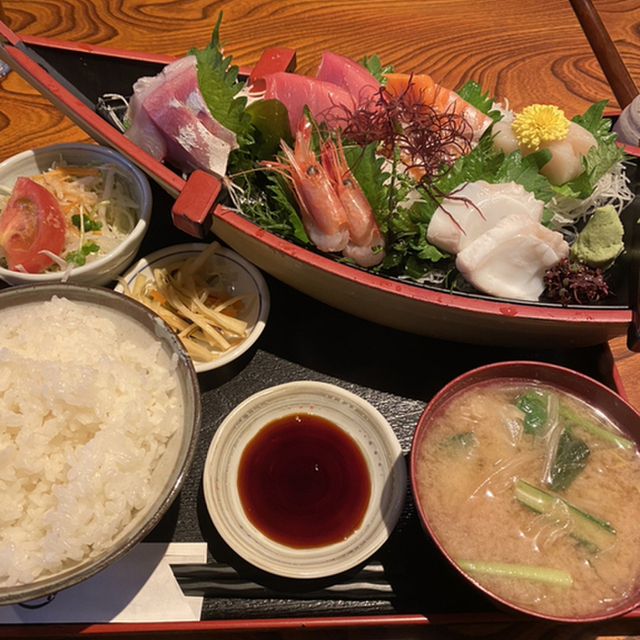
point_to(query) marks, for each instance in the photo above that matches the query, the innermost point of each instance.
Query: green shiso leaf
(472, 92)
(375, 68)
(219, 86)
(270, 120)
(367, 169)
(599, 159)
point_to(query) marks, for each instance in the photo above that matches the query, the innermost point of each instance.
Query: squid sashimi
(474, 209)
(170, 120)
(423, 89)
(366, 242)
(510, 260)
(349, 75)
(295, 91)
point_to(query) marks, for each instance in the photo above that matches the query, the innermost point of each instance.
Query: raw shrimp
(323, 215)
(366, 242)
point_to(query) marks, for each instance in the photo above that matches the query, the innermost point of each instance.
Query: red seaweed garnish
(575, 283)
(429, 140)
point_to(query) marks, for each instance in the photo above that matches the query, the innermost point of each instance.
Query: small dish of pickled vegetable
(527, 477)
(70, 213)
(216, 301)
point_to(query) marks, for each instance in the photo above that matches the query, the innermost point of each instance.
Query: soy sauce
(304, 482)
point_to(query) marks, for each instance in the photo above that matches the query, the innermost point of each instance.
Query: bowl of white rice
(99, 418)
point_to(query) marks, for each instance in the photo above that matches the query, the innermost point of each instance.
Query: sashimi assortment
(392, 171)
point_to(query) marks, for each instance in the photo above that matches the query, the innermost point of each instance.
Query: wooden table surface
(525, 50)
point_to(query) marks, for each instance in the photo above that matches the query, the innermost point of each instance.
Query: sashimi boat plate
(201, 206)
(417, 309)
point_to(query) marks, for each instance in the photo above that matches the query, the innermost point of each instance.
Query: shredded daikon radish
(613, 188)
(97, 206)
(190, 298)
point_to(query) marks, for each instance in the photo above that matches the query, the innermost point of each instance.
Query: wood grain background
(525, 50)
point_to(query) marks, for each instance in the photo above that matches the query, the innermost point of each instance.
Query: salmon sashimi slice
(422, 88)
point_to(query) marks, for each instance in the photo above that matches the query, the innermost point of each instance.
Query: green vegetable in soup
(597, 431)
(460, 444)
(556, 577)
(534, 406)
(585, 527)
(569, 461)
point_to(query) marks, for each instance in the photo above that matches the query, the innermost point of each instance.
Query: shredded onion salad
(192, 297)
(97, 206)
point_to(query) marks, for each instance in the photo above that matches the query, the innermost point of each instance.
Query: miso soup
(535, 495)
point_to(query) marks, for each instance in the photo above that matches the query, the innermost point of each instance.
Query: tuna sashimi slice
(295, 91)
(349, 75)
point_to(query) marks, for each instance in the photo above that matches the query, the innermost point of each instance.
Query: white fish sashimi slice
(475, 209)
(510, 260)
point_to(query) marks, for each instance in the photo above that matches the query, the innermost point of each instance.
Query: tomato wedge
(30, 222)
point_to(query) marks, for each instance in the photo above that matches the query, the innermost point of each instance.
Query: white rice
(86, 410)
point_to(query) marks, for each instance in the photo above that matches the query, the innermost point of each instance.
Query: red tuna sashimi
(295, 91)
(170, 120)
(349, 75)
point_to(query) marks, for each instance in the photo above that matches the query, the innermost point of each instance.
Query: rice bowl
(100, 412)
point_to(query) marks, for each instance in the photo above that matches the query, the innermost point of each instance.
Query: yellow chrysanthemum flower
(539, 123)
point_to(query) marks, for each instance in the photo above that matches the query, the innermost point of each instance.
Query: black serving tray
(305, 339)
(396, 372)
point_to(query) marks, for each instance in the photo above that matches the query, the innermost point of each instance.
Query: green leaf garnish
(87, 223)
(79, 257)
(472, 93)
(375, 68)
(219, 86)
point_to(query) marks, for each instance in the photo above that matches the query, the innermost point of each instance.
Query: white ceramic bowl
(358, 419)
(241, 278)
(104, 269)
(165, 480)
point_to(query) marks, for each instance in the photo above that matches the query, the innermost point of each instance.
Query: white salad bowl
(239, 276)
(359, 420)
(105, 269)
